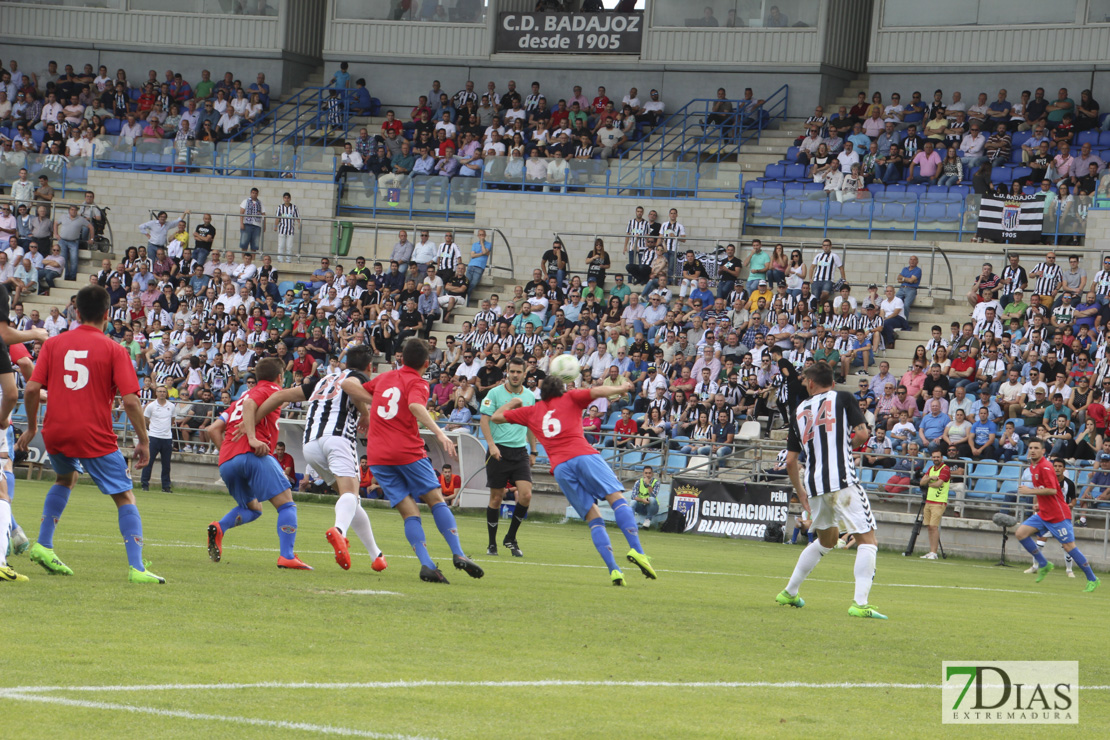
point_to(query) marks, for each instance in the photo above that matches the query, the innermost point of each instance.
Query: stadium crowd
(1053, 149)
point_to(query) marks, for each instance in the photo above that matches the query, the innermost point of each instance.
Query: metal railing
(300, 118)
(205, 159)
(677, 136)
(378, 246)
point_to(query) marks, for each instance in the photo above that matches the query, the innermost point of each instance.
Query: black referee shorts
(513, 467)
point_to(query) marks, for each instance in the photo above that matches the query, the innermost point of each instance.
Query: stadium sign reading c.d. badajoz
(570, 33)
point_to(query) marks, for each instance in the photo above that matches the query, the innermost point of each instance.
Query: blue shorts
(399, 481)
(1062, 531)
(109, 472)
(585, 480)
(252, 478)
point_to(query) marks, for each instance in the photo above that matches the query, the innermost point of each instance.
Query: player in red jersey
(249, 469)
(398, 402)
(83, 370)
(556, 420)
(1053, 515)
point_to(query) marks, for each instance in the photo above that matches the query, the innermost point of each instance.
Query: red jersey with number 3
(557, 424)
(83, 370)
(265, 429)
(394, 436)
(1052, 508)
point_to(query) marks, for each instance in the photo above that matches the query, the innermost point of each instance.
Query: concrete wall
(132, 195)
(530, 221)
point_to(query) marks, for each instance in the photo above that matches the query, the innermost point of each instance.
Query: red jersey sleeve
(18, 352)
(522, 415)
(123, 373)
(945, 474)
(371, 385)
(581, 397)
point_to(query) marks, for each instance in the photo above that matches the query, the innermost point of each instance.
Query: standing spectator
(479, 258)
(935, 482)
(67, 230)
(159, 415)
(286, 223)
(252, 219)
(825, 265)
(203, 239)
(909, 280)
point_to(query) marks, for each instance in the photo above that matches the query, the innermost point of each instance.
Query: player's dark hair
(820, 373)
(551, 387)
(269, 369)
(92, 303)
(516, 361)
(358, 358)
(414, 353)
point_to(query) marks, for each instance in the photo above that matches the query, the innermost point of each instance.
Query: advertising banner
(570, 33)
(728, 509)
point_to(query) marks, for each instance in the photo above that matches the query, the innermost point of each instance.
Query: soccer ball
(565, 368)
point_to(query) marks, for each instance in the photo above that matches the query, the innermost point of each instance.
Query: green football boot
(866, 611)
(1045, 570)
(1091, 586)
(617, 577)
(143, 576)
(45, 557)
(787, 600)
(643, 562)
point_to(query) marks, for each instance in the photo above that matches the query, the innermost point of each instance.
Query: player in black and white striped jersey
(829, 487)
(330, 441)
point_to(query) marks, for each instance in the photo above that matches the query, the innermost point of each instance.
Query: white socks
(807, 561)
(865, 571)
(5, 529)
(362, 530)
(350, 517)
(345, 509)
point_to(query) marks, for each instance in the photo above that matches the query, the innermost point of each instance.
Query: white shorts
(332, 457)
(848, 509)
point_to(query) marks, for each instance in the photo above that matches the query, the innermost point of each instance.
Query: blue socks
(794, 537)
(811, 536)
(1031, 547)
(414, 533)
(602, 543)
(10, 477)
(237, 516)
(131, 527)
(287, 529)
(56, 499)
(626, 520)
(1081, 560)
(445, 521)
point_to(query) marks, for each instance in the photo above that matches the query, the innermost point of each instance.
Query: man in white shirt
(424, 253)
(973, 146)
(246, 270)
(160, 414)
(599, 361)
(892, 310)
(49, 113)
(632, 100)
(847, 158)
(653, 109)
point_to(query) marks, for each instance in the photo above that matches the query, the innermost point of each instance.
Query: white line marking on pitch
(15, 695)
(192, 546)
(542, 683)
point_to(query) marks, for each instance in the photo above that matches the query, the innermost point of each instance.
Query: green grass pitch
(488, 645)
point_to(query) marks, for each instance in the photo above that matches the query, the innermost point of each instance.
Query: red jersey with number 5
(1052, 508)
(83, 370)
(265, 429)
(394, 436)
(557, 424)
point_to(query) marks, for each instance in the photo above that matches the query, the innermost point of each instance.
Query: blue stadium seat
(918, 189)
(962, 190)
(1104, 139)
(1003, 174)
(793, 187)
(813, 209)
(876, 187)
(853, 211)
(112, 126)
(1087, 137)
(774, 172)
(896, 188)
(771, 208)
(933, 212)
(812, 187)
(1019, 138)
(889, 212)
(953, 212)
(791, 155)
(795, 172)
(792, 208)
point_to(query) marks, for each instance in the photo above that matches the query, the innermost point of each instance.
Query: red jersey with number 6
(557, 424)
(1052, 508)
(83, 370)
(265, 429)
(394, 436)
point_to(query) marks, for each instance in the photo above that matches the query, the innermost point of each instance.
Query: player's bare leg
(287, 531)
(349, 515)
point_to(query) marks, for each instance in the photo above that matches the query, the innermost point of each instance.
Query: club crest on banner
(1011, 215)
(686, 503)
